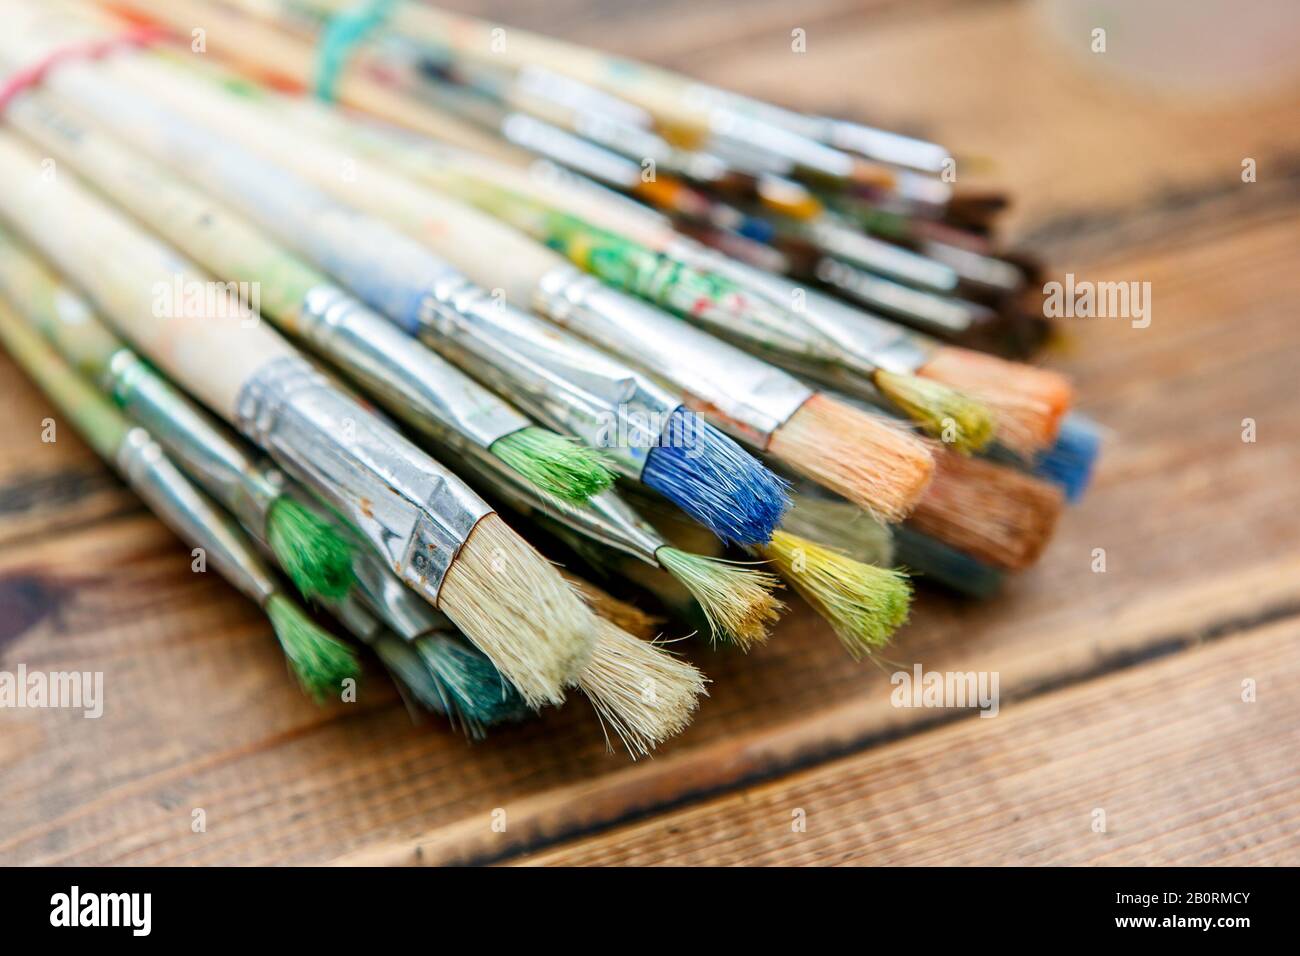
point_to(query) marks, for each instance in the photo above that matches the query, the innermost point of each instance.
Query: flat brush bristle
(715, 481)
(320, 661)
(1069, 462)
(737, 601)
(644, 693)
(874, 463)
(1027, 402)
(942, 412)
(315, 556)
(558, 465)
(864, 604)
(994, 513)
(620, 613)
(514, 606)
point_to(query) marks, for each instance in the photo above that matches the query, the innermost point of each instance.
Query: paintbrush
(880, 359)
(868, 461)
(463, 683)
(994, 513)
(695, 108)
(565, 384)
(314, 556)
(423, 389)
(736, 600)
(288, 63)
(441, 538)
(864, 603)
(319, 661)
(455, 679)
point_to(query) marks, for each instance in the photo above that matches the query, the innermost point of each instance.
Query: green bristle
(557, 464)
(319, 660)
(737, 601)
(315, 556)
(943, 412)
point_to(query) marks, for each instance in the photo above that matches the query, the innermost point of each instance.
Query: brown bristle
(1028, 402)
(872, 461)
(994, 513)
(620, 613)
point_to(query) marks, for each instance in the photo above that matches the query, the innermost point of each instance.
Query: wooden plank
(1182, 771)
(47, 486)
(1199, 530)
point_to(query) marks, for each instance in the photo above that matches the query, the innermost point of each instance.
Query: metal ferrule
(604, 518)
(565, 148)
(945, 316)
(885, 146)
(203, 447)
(744, 396)
(353, 615)
(881, 257)
(192, 515)
(425, 389)
(850, 337)
(561, 382)
(803, 152)
(382, 593)
(414, 512)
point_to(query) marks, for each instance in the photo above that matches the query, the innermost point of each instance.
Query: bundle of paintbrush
(923, 272)
(872, 215)
(533, 336)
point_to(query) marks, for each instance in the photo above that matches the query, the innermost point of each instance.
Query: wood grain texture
(1183, 771)
(1199, 528)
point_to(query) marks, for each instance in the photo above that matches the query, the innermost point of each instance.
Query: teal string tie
(340, 37)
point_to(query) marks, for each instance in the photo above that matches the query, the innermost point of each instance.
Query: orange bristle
(994, 513)
(1028, 402)
(875, 463)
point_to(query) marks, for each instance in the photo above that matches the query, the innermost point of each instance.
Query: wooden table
(1122, 692)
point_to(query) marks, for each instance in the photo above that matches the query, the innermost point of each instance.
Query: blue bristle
(760, 230)
(715, 481)
(1069, 462)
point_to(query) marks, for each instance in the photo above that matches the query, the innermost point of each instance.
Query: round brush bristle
(1027, 402)
(472, 687)
(644, 693)
(557, 464)
(312, 552)
(715, 481)
(736, 600)
(864, 604)
(944, 413)
(994, 513)
(320, 661)
(873, 462)
(513, 606)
